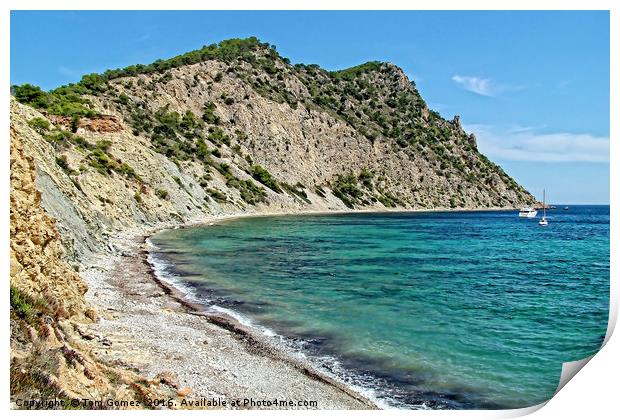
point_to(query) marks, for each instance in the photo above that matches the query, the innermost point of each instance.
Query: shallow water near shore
(437, 310)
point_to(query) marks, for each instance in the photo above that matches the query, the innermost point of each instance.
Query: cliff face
(50, 356)
(37, 267)
(45, 291)
(235, 128)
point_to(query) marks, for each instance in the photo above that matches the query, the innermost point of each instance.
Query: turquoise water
(441, 310)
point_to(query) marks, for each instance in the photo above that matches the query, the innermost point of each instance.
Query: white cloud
(143, 37)
(437, 106)
(66, 71)
(485, 87)
(475, 84)
(524, 144)
(416, 79)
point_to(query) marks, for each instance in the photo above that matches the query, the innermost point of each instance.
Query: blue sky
(533, 86)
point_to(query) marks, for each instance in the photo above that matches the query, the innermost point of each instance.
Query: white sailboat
(543, 221)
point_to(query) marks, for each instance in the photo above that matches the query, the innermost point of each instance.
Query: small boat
(543, 221)
(528, 212)
(565, 207)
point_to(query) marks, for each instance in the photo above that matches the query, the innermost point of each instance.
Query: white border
(591, 394)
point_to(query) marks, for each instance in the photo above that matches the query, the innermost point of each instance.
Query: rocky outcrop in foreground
(50, 357)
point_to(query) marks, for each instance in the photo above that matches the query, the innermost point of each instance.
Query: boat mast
(544, 205)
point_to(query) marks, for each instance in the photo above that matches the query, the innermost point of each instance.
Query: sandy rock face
(50, 356)
(98, 124)
(36, 249)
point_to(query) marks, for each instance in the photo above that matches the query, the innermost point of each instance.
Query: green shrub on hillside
(226, 50)
(163, 194)
(128, 171)
(178, 181)
(354, 72)
(31, 95)
(65, 101)
(297, 190)
(264, 177)
(22, 305)
(100, 159)
(217, 195)
(91, 83)
(81, 143)
(319, 191)
(346, 189)
(59, 138)
(202, 151)
(189, 122)
(365, 178)
(217, 136)
(169, 121)
(75, 123)
(39, 124)
(64, 165)
(140, 120)
(123, 99)
(209, 115)
(250, 192)
(389, 200)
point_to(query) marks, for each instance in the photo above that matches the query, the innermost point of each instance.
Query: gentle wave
(163, 271)
(327, 365)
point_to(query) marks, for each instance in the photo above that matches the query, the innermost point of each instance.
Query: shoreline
(255, 338)
(132, 300)
(123, 275)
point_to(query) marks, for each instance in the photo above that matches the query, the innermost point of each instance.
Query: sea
(415, 310)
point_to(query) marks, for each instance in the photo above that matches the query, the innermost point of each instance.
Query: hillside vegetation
(239, 112)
